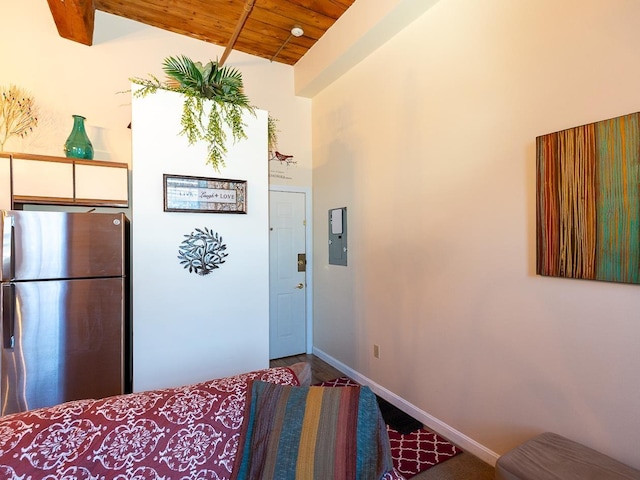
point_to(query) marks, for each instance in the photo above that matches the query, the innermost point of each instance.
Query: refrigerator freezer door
(55, 245)
(68, 343)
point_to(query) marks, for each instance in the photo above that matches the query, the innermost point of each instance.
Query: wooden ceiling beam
(74, 19)
(248, 6)
(256, 27)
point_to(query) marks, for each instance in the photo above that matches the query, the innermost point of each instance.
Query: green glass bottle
(78, 144)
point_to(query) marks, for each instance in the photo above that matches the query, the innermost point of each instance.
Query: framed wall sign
(204, 195)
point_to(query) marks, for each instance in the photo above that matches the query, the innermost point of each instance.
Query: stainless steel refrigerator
(64, 308)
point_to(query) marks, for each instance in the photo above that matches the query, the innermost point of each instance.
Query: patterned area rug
(412, 452)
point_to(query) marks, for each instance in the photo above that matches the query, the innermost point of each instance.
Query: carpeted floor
(461, 467)
(414, 448)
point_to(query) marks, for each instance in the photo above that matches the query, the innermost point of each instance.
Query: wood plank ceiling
(258, 27)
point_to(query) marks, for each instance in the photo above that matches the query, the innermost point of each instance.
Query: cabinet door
(5, 183)
(102, 183)
(41, 178)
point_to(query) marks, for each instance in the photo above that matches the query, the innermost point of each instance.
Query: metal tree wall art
(202, 251)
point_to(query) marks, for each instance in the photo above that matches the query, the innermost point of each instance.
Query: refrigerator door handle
(8, 315)
(7, 247)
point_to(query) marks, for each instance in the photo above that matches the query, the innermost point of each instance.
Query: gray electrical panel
(338, 236)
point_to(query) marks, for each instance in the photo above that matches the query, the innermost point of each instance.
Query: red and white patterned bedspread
(185, 433)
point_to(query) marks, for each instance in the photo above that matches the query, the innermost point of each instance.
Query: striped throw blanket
(313, 433)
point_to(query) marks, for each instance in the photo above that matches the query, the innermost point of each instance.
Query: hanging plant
(272, 131)
(200, 83)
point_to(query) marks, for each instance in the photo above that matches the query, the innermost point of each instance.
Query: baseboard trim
(464, 442)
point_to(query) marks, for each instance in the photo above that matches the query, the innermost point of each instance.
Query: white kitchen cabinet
(102, 183)
(5, 182)
(42, 179)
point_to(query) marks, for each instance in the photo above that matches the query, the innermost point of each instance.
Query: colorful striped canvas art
(588, 201)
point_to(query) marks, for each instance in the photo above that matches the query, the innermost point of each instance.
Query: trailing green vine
(199, 83)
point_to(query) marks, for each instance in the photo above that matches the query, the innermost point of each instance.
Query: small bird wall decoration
(282, 158)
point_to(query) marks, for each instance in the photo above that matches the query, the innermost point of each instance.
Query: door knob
(300, 286)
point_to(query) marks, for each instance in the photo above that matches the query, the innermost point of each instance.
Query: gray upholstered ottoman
(552, 457)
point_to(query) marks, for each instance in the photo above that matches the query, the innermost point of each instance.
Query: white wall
(364, 26)
(189, 327)
(430, 143)
(68, 78)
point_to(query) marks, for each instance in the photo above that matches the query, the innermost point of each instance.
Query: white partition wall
(189, 327)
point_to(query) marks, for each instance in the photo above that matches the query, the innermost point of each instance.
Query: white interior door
(287, 291)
